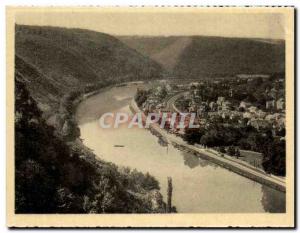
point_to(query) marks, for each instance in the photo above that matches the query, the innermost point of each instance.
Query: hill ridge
(69, 59)
(209, 56)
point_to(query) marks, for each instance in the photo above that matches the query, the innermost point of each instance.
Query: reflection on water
(193, 161)
(199, 186)
(162, 142)
(271, 201)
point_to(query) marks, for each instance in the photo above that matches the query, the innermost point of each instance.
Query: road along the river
(235, 166)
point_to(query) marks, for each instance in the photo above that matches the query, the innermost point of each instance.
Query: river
(199, 186)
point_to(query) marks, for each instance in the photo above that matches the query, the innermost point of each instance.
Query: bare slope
(147, 45)
(164, 50)
(170, 55)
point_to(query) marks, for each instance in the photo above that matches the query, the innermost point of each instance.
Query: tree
(237, 153)
(193, 135)
(281, 132)
(231, 151)
(170, 190)
(222, 149)
(163, 93)
(141, 96)
(274, 154)
(241, 109)
(212, 138)
(183, 104)
(105, 195)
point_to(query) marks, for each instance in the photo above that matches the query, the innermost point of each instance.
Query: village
(223, 108)
(241, 116)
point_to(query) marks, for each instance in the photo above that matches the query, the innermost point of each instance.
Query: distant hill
(54, 60)
(201, 56)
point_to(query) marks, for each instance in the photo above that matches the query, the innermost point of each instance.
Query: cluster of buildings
(254, 116)
(154, 102)
(272, 117)
(273, 104)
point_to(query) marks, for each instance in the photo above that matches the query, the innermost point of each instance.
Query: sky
(162, 23)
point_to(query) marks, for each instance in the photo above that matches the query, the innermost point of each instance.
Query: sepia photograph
(150, 116)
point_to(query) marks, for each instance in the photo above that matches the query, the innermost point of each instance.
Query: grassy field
(251, 157)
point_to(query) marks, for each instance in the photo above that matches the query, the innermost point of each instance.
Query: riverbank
(239, 168)
(140, 194)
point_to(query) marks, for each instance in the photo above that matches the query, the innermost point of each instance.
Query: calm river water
(199, 186)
